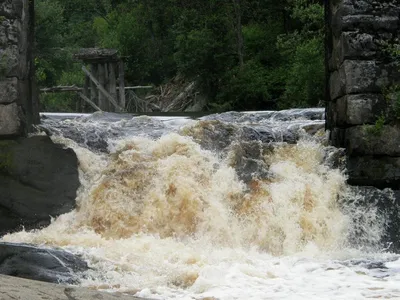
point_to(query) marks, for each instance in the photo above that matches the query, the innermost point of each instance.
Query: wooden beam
(60, 89)
(89, 101)
(86, 92)
(94, 93)
(137, 87)
(102, 90)
(103, 102)
(121, 83)
(73, 88)
(112, 80)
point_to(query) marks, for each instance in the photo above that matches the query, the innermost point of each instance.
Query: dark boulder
(38, 180)
(49, 265)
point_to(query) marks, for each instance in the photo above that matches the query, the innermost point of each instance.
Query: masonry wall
(18, 101)
(363, 99)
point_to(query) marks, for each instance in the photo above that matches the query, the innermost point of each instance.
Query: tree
(244, 54)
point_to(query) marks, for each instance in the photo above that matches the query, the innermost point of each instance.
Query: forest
(241, 54)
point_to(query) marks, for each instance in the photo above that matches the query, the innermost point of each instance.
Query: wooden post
(101, 78)
(106, 86)
(94, 93)
(121, 84)
(88, 101)
(101, 89)
(112, 81)
(85, 92)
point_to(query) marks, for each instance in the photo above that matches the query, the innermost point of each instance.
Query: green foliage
(305, 77)
(396, 104)
(278, 65)
(392, 96)
(303, 50)
(377, 128)
(245, 87)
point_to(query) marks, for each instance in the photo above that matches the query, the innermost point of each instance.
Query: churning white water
(162, 217)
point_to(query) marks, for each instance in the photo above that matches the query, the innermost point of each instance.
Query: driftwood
(121, 77)
(175, 95)
(140, 105)
(179, 101)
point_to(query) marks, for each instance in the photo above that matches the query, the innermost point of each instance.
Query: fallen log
(73, 88)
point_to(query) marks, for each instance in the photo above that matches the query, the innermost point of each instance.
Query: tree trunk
(239, 33)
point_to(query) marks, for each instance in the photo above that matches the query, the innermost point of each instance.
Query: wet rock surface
(214, 132)
(387, 204)
(10, 122)
(378, 171)
(31, 262)
(38, 180)
(24, 289)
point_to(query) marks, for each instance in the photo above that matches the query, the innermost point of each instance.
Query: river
(248, 205)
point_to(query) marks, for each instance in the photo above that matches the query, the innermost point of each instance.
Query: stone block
(361, 76)
(330, 114)
(10, 30)
(3, 33)
(359, 7)
(8, 90)
(337, 83)
(373, 140)
(364, 7)
(337, 136)
(336, 58)
(10, 122)
(12, 9)
(340, 111)
(13, 31)
(356, 45)
(364, 16)
(359, 109)
(9, 61)
(380, 172)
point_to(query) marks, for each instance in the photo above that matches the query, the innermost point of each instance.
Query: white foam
(165, 219)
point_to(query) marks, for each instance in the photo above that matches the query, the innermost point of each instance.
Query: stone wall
(18, 100)
(363, 107)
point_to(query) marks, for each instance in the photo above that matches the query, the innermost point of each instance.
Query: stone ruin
(18, 99)
(363, 96)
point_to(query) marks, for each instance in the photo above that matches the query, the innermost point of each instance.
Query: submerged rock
(387, 205)
(38, 180)
(26, 261)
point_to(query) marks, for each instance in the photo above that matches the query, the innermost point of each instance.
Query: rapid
(227, 206)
